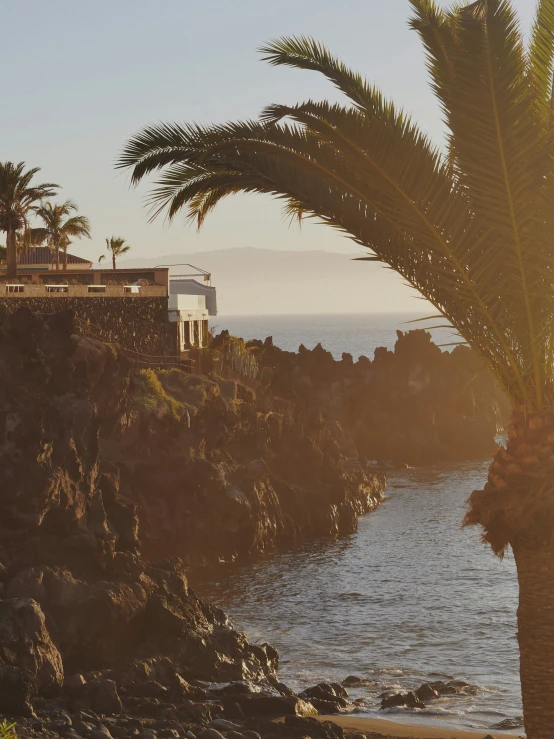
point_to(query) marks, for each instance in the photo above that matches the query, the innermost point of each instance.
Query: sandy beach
(374, 728)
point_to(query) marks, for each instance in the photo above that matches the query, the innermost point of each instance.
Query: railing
(139, 359)
(82, 291)
(199, 272)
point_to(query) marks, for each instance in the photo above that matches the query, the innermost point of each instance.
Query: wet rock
(508, 724)
(402, 699)
(352, 680)
(326, 697)
(102, 697)
(426, 693)
(210, 734)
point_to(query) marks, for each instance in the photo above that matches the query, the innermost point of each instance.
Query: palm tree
(117, 246)
(19, 199)
(470, 227)
(59, 226)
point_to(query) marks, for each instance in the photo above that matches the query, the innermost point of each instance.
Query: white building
(192, 300)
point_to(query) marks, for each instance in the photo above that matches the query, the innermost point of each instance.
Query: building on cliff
(155, 319)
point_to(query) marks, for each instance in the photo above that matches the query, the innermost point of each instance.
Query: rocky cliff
(77, 596)
(217, 473)
(415, 405)
(95, 460)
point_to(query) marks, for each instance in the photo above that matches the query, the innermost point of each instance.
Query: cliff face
(415, 405)
(76, 594)
(217, 473)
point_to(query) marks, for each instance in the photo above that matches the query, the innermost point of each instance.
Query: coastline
(374, 728)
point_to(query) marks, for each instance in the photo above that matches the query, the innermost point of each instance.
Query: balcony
(82, 291)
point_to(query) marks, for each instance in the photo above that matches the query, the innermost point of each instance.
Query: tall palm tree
(470, 227)
(116, 246)
(59, 226)
(19, 199)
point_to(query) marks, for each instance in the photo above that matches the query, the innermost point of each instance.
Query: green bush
(150, 394)
(7, 731)
(189, 390)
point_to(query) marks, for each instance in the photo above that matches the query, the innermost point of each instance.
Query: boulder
(402, 699)
(426, 693)
(102, 697)
(328, 698)
(352, 680)
(30, 663)
(73, 684)
(274, 706)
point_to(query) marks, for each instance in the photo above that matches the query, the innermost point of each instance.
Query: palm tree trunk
(11, 255)
(113, 260)
(65, 259)
(516, 508)
(57, 248)
(535, 568)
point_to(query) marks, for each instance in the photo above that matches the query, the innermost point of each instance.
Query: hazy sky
(80, 77)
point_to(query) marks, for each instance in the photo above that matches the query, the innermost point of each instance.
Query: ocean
(356, 334)
(410, 597)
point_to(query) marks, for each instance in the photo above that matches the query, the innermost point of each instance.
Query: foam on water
(430, 601)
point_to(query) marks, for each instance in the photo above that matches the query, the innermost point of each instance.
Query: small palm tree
(470, 227)
(59, 226)
(116, 246)
(19, 199)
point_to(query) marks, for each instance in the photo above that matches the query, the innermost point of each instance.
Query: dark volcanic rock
(30, 664)
(102, 696)
(426, 693)
(402, 699)
(416, 404)
(268, 705)
(76, 592)
(328, 698)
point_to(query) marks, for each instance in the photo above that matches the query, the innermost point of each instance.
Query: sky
(84, 76)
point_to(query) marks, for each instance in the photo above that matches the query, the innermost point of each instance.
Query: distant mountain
(254, 281)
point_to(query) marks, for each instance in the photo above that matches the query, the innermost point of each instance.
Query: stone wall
(137, 323)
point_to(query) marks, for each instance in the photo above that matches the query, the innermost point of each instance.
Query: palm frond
(469, 231)
(541, 58)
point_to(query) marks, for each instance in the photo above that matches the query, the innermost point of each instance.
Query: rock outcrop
(415, 405)
(222, 474)
(77, 596)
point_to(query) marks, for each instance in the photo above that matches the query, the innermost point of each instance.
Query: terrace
(67, 290)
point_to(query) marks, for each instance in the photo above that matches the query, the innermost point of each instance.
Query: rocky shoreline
(112, 483)
(414, 405)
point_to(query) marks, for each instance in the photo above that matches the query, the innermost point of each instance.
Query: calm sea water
(355, 334)
(410, 597)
